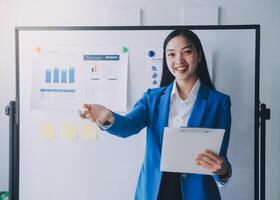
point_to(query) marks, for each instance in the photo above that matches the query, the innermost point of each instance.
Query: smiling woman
(184, 64)
(187, 98)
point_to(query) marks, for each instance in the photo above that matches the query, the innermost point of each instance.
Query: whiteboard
(107, 168)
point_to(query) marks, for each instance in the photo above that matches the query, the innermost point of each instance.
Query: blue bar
(63, 75)
(71, 75)
(102, 57)
(48, 76)
(56, 75)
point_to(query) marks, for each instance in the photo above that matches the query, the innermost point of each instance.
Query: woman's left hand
(213, 162)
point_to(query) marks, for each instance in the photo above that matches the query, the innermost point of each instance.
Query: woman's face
(182, 58)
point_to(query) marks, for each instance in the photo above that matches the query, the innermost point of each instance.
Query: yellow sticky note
(47, 131)
(68, 132)
(88, 132)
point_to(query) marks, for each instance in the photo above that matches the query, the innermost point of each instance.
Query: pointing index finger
(82, 115)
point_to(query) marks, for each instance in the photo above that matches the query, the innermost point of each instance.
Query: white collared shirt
(180, 110)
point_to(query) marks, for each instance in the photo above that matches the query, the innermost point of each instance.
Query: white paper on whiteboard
(201, 15)
(123, 17)
(182, 145)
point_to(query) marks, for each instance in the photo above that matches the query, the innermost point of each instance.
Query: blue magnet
(154, 75)
(154, 68)
(151, 53)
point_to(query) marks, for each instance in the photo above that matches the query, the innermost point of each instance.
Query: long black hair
(202, 70)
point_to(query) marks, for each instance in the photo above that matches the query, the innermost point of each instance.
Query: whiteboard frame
(14, 153)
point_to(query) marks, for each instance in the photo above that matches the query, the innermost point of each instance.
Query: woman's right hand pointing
(98, 114)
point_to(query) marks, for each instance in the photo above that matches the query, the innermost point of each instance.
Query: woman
(186, 97)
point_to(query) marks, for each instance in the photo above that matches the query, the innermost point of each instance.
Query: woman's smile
(181, 68)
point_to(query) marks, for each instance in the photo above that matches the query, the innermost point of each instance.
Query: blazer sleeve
(225, 123)
(134, 121)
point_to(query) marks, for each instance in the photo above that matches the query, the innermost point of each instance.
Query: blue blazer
(211, 110)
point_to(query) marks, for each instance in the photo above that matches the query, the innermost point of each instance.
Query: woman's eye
(170, 54)
(187, 52)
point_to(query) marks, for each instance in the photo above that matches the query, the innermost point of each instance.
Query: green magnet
(125, 49)
(3, 195)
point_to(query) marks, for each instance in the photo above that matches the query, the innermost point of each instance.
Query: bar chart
(60, 75)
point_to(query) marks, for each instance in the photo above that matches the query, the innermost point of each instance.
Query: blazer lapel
(199, 107)
(164, 107)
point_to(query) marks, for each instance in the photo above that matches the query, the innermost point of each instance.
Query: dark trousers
(170, 187)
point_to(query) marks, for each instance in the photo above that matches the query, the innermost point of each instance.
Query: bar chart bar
(63, 76)
(71, 75)
(48, 76)
(56, 75)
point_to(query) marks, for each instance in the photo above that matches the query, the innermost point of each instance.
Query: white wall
(158, 12)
